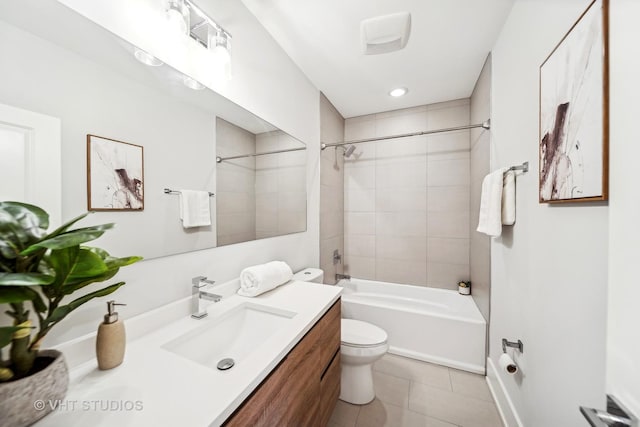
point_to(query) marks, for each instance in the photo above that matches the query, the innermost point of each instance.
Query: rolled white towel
(261, 278)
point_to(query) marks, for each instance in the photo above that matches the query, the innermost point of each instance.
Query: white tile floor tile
(452, 407)
(382, 414)
(410, 393)
(344, 414)
(391, 389)
(469, 384)
(414, 370)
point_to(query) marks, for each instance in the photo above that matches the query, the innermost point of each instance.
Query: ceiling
(449, 42)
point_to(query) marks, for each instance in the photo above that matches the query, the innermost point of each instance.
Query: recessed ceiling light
(192, 83)
(398, 92)
(147, 58)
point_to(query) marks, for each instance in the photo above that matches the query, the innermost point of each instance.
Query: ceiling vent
(384, 34)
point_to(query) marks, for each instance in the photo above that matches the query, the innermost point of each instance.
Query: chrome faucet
(342, 276)
(197, 293)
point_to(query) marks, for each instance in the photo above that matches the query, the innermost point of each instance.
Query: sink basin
(235, 334)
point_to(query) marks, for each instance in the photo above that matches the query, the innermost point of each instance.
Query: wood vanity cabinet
(303, 389)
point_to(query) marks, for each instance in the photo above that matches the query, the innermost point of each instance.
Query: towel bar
(523, 167)
(170, 191)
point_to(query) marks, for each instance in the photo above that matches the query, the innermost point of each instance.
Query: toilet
(361, 344)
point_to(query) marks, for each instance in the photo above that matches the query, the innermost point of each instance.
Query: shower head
(349, 150)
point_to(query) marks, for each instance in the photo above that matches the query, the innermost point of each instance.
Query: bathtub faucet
(342, 276)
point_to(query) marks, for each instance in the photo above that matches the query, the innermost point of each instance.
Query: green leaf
(26, 213)
(69, 238)
(6, 334)
(77, 267)
(61, 312)
(21, 225)
(24, 279)
(38, 303)
(13, 294)
(88, 264)
(122, 262)
(64, 227)
(61, 262)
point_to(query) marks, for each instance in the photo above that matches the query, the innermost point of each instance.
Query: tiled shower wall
(331, 190)
(235, 192)
(407, 200)
(281, 194)
(263, 196)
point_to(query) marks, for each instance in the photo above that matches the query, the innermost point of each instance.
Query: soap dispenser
(111, 339)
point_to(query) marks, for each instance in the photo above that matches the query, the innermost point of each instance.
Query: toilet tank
(314, 275)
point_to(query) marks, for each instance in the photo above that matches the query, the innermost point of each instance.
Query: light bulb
(399, 92)
(147, 58)
(192, 83)
(178, 16)
(219, 45)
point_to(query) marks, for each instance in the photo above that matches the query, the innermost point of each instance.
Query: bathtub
(434, 325)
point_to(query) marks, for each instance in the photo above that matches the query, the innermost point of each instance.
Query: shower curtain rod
(484, 125)
(221, 159)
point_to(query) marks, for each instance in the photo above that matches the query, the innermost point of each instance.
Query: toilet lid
(361, 334)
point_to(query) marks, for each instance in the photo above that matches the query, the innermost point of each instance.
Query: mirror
(259, 195)
(58, 63)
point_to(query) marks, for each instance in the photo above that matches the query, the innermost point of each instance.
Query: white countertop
(155, 387)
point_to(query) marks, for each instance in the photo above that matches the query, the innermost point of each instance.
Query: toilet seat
(356, 333)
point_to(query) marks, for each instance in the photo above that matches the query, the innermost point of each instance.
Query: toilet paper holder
(512, 344)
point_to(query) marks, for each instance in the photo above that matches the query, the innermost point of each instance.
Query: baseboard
(504, 403)
(476, 369)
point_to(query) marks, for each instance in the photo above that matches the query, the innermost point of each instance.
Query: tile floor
(410, 393)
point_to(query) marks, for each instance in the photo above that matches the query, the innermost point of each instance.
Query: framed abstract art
(574, 113)
(115, 175)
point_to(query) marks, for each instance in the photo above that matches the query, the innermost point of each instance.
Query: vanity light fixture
(398, 92)
(146, 58)
(178, 16)
(187, 18)
(219, 44)
(211, 35)
(192, 83)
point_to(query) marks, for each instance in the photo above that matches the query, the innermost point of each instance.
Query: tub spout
(342, 276)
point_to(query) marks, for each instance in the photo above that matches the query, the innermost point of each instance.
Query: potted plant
(39, 271)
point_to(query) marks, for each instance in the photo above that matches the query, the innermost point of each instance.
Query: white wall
(267, 83)
(407, 200)
(549, 272)
(480, 244)
(623, 345)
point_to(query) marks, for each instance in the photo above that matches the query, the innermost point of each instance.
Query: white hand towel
(194, 208)
(261, 278)
(509, 198)
(490, 218)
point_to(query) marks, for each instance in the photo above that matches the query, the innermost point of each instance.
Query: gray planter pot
(25, 401)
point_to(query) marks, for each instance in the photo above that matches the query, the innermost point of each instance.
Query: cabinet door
(329, 339)
(329, 389)
(298, 397)
(292, 395)
(256, 409)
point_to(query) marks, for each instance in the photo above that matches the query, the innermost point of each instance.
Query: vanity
(290, 376)
(303, 389)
